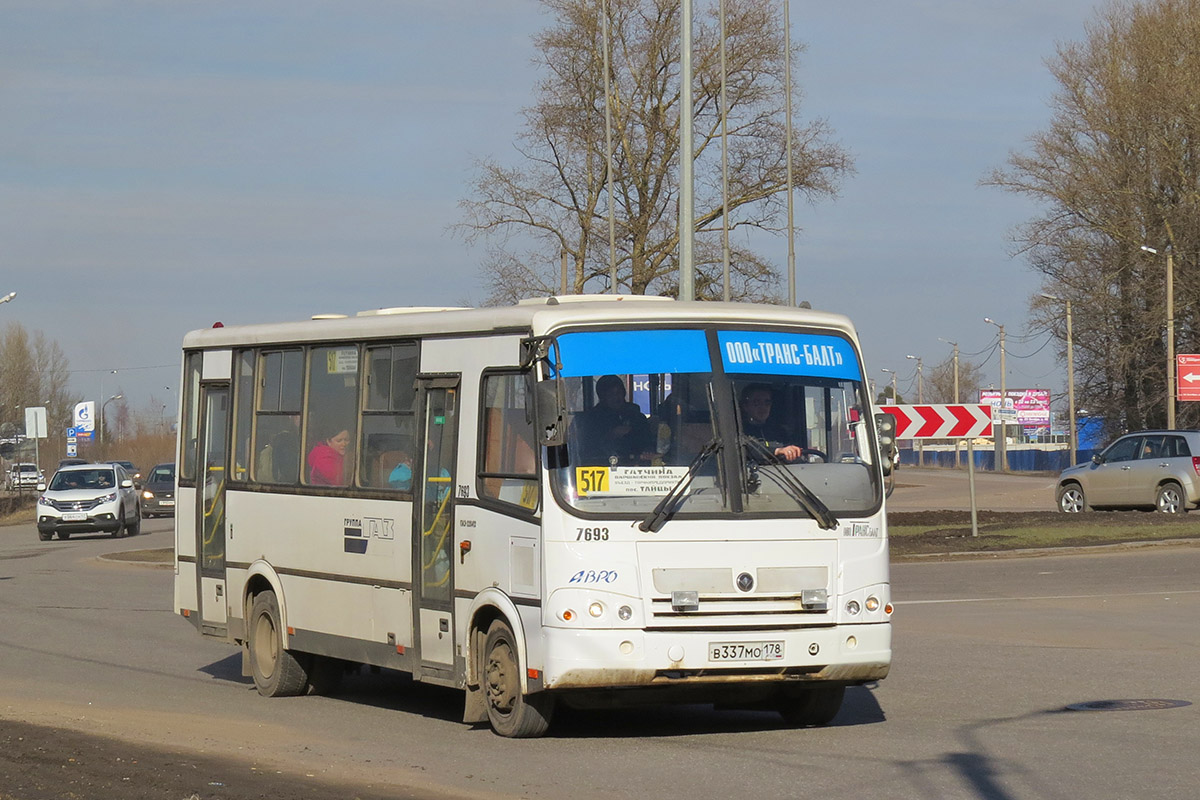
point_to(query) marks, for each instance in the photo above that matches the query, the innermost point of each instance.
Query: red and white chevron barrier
(941, 421)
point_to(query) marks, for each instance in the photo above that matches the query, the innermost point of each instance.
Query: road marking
(1042, 597)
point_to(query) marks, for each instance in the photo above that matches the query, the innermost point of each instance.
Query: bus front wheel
(510, 712)
(277, 672)
(812, 707)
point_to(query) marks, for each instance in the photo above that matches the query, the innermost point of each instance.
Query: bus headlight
(596, 609)
(852, 608)
(625, 613)
(872, 603)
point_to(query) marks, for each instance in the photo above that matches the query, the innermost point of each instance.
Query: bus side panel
(344, 563)
(186, 585)
(505, 553)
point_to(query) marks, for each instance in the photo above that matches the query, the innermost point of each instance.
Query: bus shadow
(397, 691)
(660, 721)
(228, 669)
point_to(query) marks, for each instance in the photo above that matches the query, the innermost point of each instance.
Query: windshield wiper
(785, 480)
(666, 507)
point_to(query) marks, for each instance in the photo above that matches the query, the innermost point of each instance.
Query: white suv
(24, 476)
(89, 498)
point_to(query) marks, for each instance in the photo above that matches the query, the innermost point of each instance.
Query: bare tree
(940, 388)
(33, 372)
(1118, 168)
(552, 208)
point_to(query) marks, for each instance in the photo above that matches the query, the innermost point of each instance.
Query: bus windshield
(735, 417)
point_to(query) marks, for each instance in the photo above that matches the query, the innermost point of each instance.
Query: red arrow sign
(941, 421)
(1187, 376)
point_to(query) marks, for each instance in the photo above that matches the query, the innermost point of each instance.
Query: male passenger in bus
(756, 404)
(327, 459)
(614, 431)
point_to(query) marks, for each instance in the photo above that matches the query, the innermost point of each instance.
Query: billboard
(1032, 406)
(85, 419)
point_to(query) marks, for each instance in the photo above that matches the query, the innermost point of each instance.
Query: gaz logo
(357, 532)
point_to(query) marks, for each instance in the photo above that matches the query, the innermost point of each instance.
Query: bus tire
(812, 707)
(277, 672)
(510, 712)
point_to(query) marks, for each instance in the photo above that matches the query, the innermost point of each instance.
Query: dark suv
(158, 491)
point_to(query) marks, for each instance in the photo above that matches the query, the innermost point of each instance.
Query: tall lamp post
(102, 407)
(1002, 440)
(1170, 334)
(956, 398)
(892, 372)
(1072, 435)
(920, 399)
(8, 297)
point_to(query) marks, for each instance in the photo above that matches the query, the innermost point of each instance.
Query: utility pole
(1002, 440)
(687, 278)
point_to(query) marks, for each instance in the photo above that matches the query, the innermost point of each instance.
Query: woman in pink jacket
(326, 461)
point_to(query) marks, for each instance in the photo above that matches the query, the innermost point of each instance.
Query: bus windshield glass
(735, 417)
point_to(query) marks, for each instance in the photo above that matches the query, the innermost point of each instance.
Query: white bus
(572, 500)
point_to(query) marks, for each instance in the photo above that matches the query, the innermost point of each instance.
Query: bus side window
(388, 421)
(508, 462)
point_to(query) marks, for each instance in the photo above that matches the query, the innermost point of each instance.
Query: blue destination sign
(774, 353)
(641, 352)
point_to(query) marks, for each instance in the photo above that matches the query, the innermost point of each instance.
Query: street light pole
(8, 297)
(687, 225)
(920, 399)
(892, 372)
(1002, 442)
(102, 407)
(956, 396)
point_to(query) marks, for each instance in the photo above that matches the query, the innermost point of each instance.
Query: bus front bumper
(591, 659)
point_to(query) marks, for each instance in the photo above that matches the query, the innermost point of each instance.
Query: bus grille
(720, 611)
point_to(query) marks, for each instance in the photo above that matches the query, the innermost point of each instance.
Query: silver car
(1146, 469)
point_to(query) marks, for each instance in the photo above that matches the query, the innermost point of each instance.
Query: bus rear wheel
(277, 672)
(510, 712)
(812, 707)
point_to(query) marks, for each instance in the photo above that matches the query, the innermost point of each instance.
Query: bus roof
(538, 316)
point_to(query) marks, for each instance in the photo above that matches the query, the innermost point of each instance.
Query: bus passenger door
(210, 506)
(433, 504)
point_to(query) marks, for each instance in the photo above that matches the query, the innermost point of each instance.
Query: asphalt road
(946, 489)
(988, 655)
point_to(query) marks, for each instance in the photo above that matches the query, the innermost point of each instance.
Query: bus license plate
(745, 651)
(74, 516)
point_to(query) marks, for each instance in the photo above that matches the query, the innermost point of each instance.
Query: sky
(167, 165)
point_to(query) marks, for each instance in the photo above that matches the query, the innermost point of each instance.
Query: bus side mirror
(885, 428)
(549, 425)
